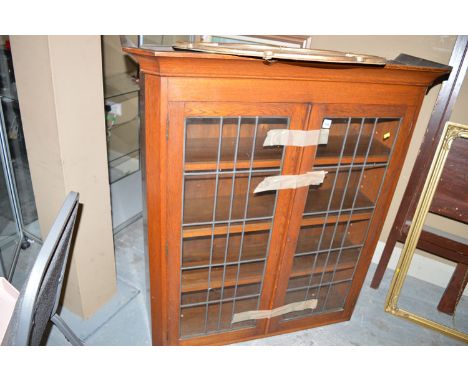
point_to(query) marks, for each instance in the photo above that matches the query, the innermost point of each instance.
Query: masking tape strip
(260, 314)
(280, 182)
(300, 138)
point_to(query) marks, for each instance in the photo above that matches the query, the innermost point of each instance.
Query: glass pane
(350, 187)
(196, 250)
(192, 320)
(204, 136)
(319, 237)
(164, 40)
(17, 161)
(226, 226)
(9, 235)
(385, 133)
(303, 295)
(349, 139)
(20, 165)
(338, 212)
(340, 129)
(123, 135)
(121, 94)
(319, 268)
(221, 276)
(226, 293)
(7, 219)
(7, 75)
(231, 197)
(8, 249)
(217, 317)
(336, 296)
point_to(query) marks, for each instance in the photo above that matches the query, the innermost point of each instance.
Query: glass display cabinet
(232, 259)
(18, 215)
(122, 126)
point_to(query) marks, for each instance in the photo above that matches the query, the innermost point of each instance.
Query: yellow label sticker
(386, 136)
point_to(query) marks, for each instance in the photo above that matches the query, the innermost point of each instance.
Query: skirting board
(424, 266)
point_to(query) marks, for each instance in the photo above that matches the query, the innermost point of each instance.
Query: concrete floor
(124, 321)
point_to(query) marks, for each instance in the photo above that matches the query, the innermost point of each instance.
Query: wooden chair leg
(454, 290)
(385, 258)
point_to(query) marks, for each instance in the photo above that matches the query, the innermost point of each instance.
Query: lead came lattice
(334, 280)
(226, 292)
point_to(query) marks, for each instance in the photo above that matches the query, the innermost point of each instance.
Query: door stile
(297, 203)
(291, 166)
(175, 163)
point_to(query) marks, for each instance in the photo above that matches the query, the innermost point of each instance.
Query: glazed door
(331, 244)
(226, 240)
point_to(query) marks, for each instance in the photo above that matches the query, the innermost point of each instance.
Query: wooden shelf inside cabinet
(196, 210)
(319, 202)
(219, 318)
(251, 273)
(330, 150)
(333, 160)
(203, 250)
(197, 251)
(202, 155)
(263, 226)
(199, 260)
(197, 280)
(302, 267)
(318, 220)
(229, 165)
(276, 163)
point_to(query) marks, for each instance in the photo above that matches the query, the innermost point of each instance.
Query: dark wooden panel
(440, 115)
(442, 246)
(455, 288)
(451, 197)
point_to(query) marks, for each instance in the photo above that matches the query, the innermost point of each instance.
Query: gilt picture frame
(450, 132)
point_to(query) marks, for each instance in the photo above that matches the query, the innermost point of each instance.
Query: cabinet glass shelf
(123, 149)
(123, 131)
(119, 85)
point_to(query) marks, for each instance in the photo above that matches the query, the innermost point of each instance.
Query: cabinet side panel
(155, 196)
(292, 165)
(175, 138)
(142, 138)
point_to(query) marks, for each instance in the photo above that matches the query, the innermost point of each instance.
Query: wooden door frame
(177, 113)
(321, 111)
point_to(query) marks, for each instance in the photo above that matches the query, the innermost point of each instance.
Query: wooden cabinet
(217, 248)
